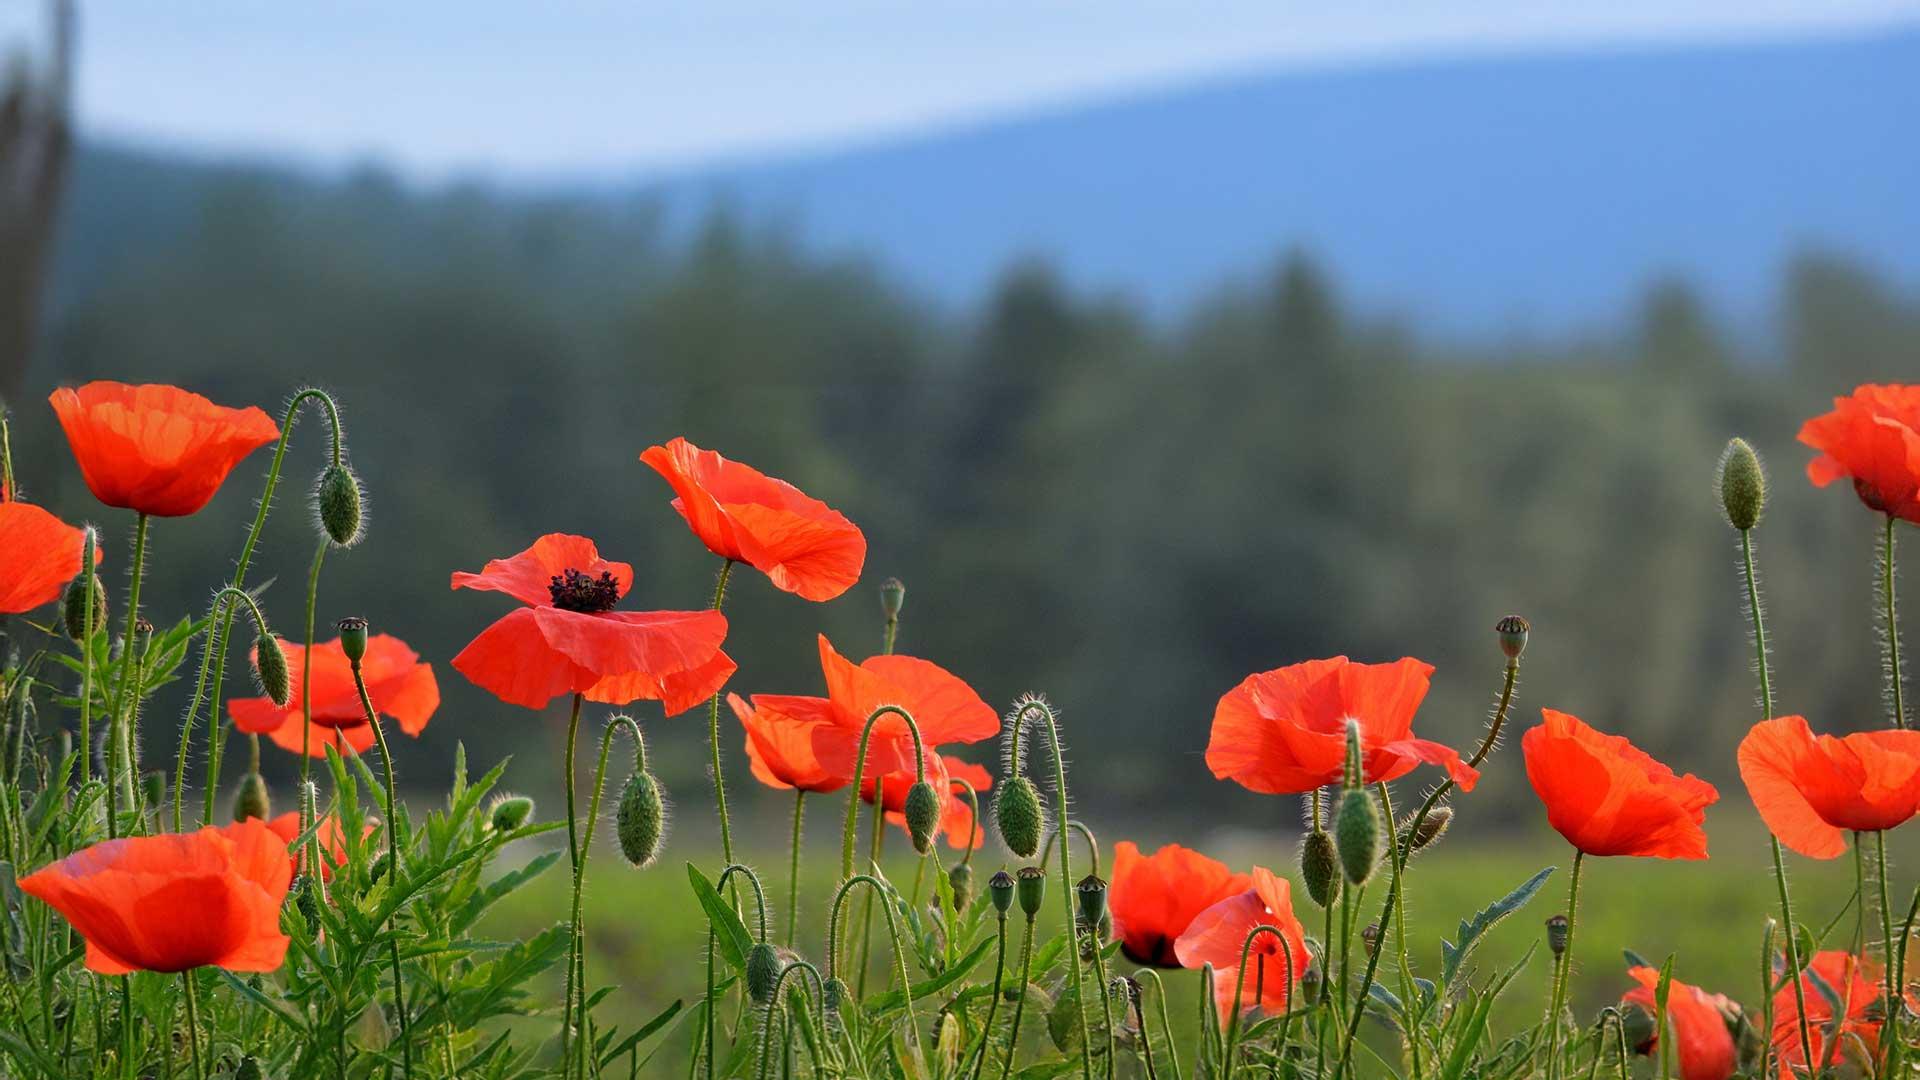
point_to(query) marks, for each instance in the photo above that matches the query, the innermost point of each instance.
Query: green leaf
(729, 932)
(1470, 1036)
(925, 988)
(1454, 954)
(643, 1032)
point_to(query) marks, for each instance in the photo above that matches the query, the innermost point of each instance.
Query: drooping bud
(1513, 635)
(763, 970)
(1557, 933)
(1320, 868)
(509, 812)
(1000, 891)
(248, 1069)
(353, 637)
(306, 898)
(1743, 485)
(251, 800)
(1431, 828)
(960, 880)
(1636, 1023)
(270, 668)
(923, 815)
(642, 819)
(73, 606)
(832, 992)
(893, 594)
(336, 498)
(153, 787)
(1032, 885)
(1092, 892)
(1017, 811)
(1357, 835)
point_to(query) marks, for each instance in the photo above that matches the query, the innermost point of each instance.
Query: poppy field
(159, 919)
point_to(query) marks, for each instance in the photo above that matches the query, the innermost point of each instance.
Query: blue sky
(600, 88)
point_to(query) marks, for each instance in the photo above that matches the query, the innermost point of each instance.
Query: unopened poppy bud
(509, 812)
(1320, 867)
(763, 970)
(1429, 829)
(248, 1069)
(1557, 927)
(1636, 1023)
(832, 992)
(923, 815)
(270, 668)
(960, 880)
(153, 787)
(251, 800)
(353, 637)
(1092, 891)
(1032, 885)
(642, 819)
(1000, 891)
(1513, 635)
(378, 868)
(893, 594)
(1017, 811)
(1743, 485)
(305, 898)
(73, 606)
(336, 498)
(1357, 835)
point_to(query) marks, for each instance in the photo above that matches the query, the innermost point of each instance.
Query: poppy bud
(923, 815)
(251, 800)
(1320, 867)
(960, 880)
(832, 992)
(1637, 1025)
(1357, 835)
(947, 1038)
(248, 1069)
(270, 668)
(377, 869)
(893, 593)
(1370, 937)
(1431, 828)
(763, 970)
(336, 498)
(353, 637)
(1017, 811)
(1513, 635)
(1092, 891)
(1743, 485)
(305, 898)
(642, 819)
(1032, 884)
(1557, 926)
(509, 812)
(153, 787)
(1000, 891)
(73, 606)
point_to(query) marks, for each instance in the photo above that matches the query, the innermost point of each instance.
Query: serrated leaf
(1454, 954)
(925, 988)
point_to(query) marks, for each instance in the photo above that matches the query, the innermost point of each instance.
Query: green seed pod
(353, 637)
(1357, 835)
(270, 668)
(923, 815)
(509, 812)
(1743, 485)
(642, 820)
(1017, 811)
(251, 800)
(1320, 867)
(1032, 885)
(1000, 891)
(763, 970)
(1557, 930)
(893, 594)
(960, 880)
(336, 498)
(1513, 635)
(1092, 893)
(73, 606)
(248, 1069)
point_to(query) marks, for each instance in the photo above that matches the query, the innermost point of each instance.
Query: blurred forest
(1129, 515)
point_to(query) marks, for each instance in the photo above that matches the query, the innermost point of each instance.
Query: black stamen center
(575, 591)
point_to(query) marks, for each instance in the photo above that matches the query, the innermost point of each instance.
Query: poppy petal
(1767, 759)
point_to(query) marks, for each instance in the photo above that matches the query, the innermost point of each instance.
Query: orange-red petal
(1155, 898)
(158, 450)
(42, 555)
(1607, 797)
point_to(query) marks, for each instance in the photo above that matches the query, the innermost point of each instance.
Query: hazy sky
(575, 87)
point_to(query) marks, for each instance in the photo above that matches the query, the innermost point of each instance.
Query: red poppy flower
(43, 554)
(1608, 798)
(1155, 898)
(1873, 439)
(569, 640)
(803, 545)
(1217, 935)
(159, 450)
(1855, 981)
(780, 741)
(1284, 732)
(176, 901)
(402, 688)
(333, 840)
(943, 706)
(1703, 1043)
(1813, 790)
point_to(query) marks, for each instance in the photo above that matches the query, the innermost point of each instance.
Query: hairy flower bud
(832, 992)
(923, 815)
(960, 880)
(1092, 892)
(251, 800)
(1320, 868)
(1431, 828)
(1032, 885)
(1357, 835)
(1513, 635)
(1000, 891)
(893, 594)
(1557, 929)
(1017, 811)
(642, 819)
(73, 606)
(763, 970)
(248, 1069)
(353, 637)
(1743, 485)
(1370, 937)
(153, 787)
(336, 498)
(270, 668)
(509, 812)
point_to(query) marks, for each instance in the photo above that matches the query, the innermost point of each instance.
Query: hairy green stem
(193, 1025)
(1239, 988)
(1563, 970)
(713, 729)
(1019, 1003)
(1892, 615)
(793, 864)
(577, 977)
(119, 719)
(1045, 713)
(993, 1003)
(393, 863)
(573, 857)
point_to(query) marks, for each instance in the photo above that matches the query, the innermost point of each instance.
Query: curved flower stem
(1093, 845)
(713, 729)
(1892, 615)
(306, 681)
(850, 829)
(779, 984)
(878, 833)
(1894, 1007)
(393, 862)
(1562, 970)
(793, 864)
(893, 933)
(993, 1003)
(1166, 1023)
(1106, 998)
(574, 858)
(193, 1025)
(89, 545)
(1140, 1022)
(120, 720)
(760, 899)
(577, 976)
(1396, 862)
(1240, 985)
(1019, 1003)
